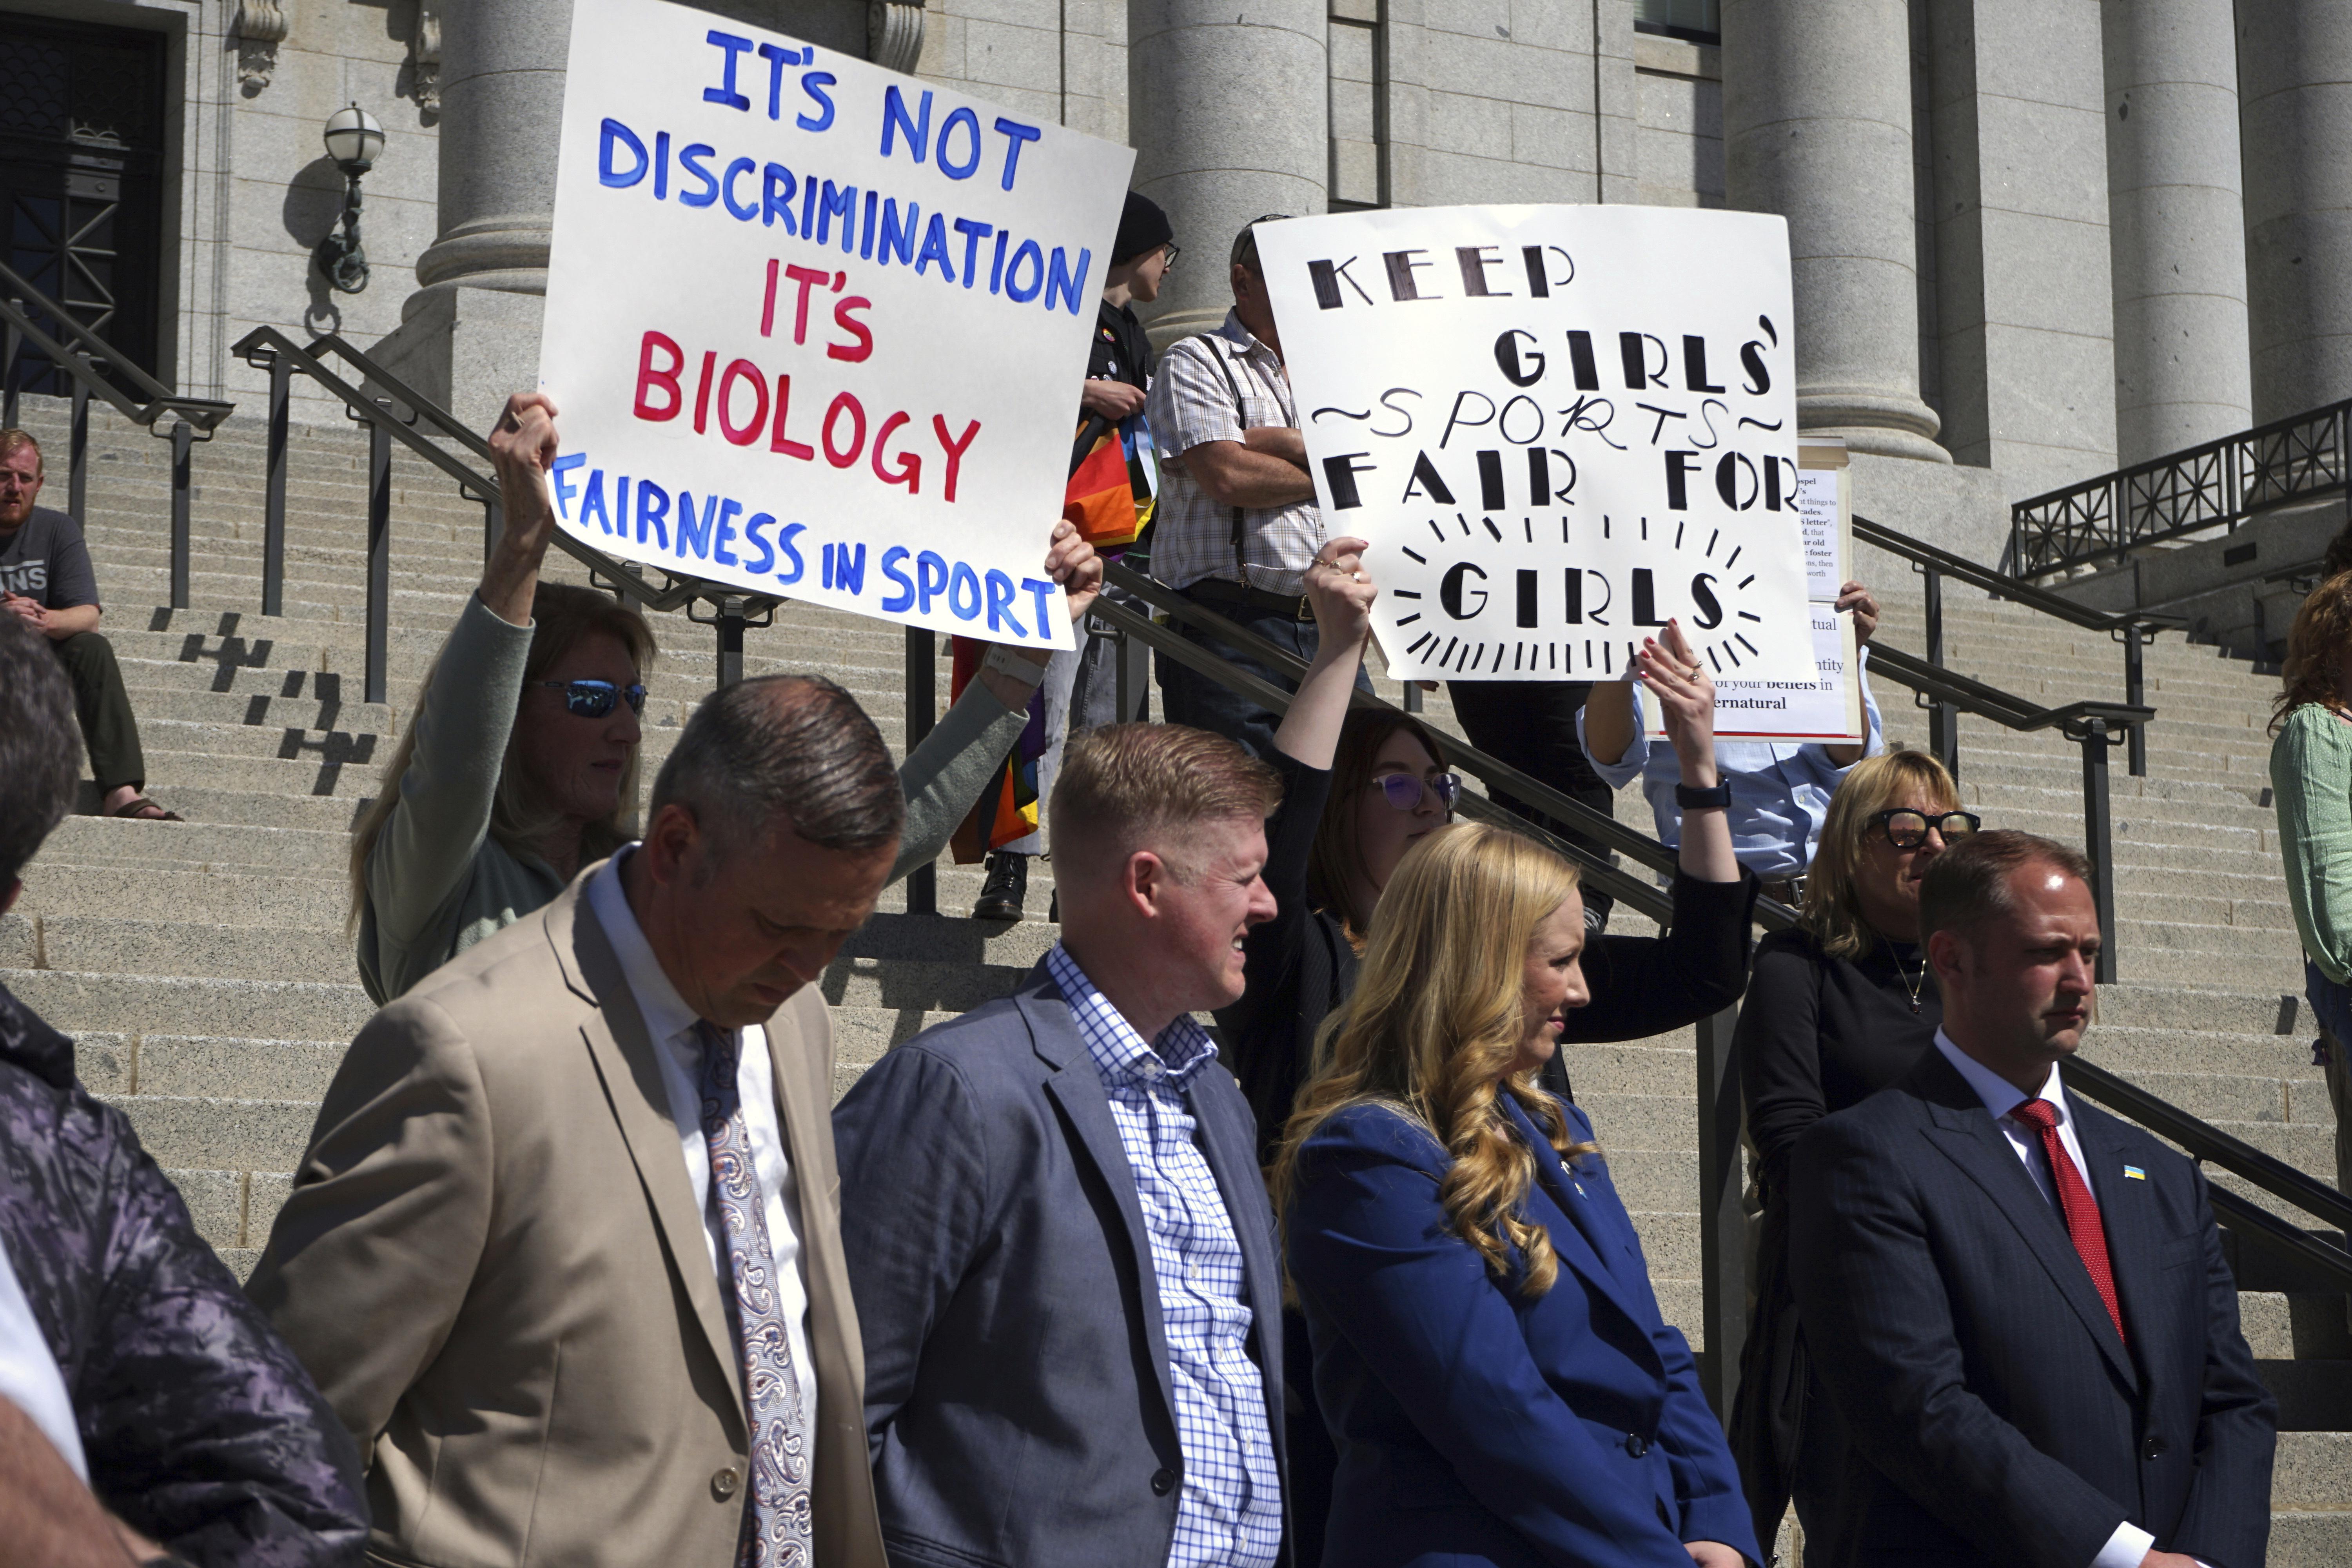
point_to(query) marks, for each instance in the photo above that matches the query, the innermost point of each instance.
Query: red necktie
(2075, 1202)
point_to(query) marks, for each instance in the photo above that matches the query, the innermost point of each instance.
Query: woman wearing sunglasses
(1360, 788)
(1840, 1005)
(518, 767)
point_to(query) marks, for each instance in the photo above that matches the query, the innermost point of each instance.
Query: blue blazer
(1017, 1390)
(1479, 1427)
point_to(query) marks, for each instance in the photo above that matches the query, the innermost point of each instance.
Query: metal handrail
(2250, 1222)
(2217, 484)
(2132, 628)
(395, 414)
(2206, 1143)
(86, 364)
(1722, 1222)
(1496, 773)
(88, 352)
(2095, 726)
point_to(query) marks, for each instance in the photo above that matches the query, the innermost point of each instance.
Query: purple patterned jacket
(202, 1429)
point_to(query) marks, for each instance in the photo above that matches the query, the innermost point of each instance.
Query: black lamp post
(355, 138)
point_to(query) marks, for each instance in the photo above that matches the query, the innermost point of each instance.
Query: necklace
(1909, 984)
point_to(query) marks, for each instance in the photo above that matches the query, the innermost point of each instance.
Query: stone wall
(258, 193)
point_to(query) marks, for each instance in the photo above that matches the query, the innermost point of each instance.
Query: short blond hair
(1124, 787)
(1833, 910)
(13, 440)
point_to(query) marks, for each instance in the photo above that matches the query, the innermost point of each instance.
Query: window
(1700, 21)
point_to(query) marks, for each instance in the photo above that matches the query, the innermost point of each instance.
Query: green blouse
(2311, 783)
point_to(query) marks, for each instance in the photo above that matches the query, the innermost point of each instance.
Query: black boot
(1007, 884)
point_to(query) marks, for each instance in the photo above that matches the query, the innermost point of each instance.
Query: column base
(467, 348)
(1875, 422)
(1165, 330)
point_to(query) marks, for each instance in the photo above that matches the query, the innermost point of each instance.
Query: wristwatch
(1716, 799)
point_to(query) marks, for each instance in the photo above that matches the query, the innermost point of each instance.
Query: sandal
(141, 809)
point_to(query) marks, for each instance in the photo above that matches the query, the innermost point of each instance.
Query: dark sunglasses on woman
(1404, 791)
(594, 698)
(1907, 829)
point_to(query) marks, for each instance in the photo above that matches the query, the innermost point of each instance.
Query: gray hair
(786, 749)
(40, 746)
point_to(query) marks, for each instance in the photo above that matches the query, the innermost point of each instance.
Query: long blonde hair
(1832, 910)
(562, 615)
(1434, 1024)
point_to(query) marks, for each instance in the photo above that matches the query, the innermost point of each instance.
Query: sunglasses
(1404, 791)
(1907, 829)
(594, 698)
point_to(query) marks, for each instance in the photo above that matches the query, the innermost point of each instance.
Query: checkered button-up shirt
(1229, 1513)
(1191, 403)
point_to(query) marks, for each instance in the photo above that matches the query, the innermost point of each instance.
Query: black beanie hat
(1142, 228)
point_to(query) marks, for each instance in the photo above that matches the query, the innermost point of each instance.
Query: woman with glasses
(1840, 1005)
(1359, 789)
(518, 768)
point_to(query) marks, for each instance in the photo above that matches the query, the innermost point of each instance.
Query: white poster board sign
(1560, 428)
(1825, 705)
(816, 328)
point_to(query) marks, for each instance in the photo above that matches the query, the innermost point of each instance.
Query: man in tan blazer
(565, 1252)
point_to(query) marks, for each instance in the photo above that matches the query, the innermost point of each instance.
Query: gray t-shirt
(47, 560)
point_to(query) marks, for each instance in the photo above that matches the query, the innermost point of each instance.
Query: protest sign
(1560, 428)
(1826, 704)
(815, 329)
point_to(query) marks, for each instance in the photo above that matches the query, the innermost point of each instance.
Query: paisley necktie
(776, 1517)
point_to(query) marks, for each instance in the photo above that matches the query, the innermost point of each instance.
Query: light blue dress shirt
(1229, 1514)
(1779, 792)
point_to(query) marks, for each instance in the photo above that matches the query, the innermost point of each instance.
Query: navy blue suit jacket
(2002, 1419)
(1477, 1425)
(1017, 1391)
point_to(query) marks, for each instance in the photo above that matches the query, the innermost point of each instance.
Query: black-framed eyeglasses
(1907, 829)
(594, 698)
(1172, 250)
(1404, 791)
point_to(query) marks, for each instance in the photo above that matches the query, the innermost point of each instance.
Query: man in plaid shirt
(1238, 525)
(1063, 1253)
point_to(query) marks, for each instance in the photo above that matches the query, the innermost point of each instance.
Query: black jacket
(201, 1429)
(2002, 1420)
(1816, 1035)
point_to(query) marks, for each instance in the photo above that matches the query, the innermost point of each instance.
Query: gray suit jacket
(1016, 1367)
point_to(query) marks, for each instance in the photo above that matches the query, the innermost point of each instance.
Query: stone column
(1816, 127)
(2295, 75)
(470, 335)
(1230, 120)
(501, 101)
(2176, 225)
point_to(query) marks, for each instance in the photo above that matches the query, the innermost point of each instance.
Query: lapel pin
(2134, 1173)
